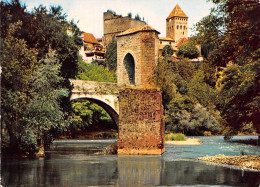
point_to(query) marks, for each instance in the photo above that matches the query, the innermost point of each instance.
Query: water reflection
(139, 170)
(80, 168)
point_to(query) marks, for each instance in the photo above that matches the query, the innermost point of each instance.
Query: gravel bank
(244, 161)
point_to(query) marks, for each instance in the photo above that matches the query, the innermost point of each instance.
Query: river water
(77, 163)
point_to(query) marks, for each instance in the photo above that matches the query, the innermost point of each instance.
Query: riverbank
(189, 141)
(243, 161)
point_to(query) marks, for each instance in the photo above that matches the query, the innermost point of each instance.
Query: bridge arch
(110, 110)
(129, 64)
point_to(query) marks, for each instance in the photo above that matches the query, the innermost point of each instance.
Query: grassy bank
(175, 137)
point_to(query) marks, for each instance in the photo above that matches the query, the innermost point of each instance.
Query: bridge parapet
(81, 86)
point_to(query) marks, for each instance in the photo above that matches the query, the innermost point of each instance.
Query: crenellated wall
(115, 24)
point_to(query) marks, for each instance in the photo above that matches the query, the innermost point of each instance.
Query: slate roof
(177, 12)
(137, 29)
(89, 38)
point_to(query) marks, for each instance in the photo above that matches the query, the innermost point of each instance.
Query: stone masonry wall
(149, 40)
(128, 44)
(143, 46)
(176, 33)
(141, 126)
(113, 25)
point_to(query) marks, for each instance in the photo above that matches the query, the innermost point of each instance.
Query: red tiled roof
(89, 38)
(138, 29)
(182, 41)
(177, 12)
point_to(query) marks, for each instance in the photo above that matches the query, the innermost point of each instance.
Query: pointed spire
(177, 12)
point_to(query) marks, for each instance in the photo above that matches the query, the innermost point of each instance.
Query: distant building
(176, 31)
(115, 24)
(92, 49)
(177, 24)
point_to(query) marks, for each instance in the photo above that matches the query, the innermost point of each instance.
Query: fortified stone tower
(177, 24)
(141, 125)
(115, 24)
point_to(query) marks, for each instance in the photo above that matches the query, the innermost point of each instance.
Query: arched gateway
(134, 103)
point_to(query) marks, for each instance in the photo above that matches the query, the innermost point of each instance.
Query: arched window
(181, 27)
(177, 26)
(130, 67)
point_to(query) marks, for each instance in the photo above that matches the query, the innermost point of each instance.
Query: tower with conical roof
(177, 24)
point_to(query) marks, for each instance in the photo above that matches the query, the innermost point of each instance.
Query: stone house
(92, 49)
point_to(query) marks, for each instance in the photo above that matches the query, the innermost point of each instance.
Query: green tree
(30, 96)
(19, 63)
(33, 82)
(111, 55)
(88, 116)
(45, 115)
(188, 50)
(167, 51)
(184, 91)
(239, 90)
(233, 29)
(46, 29)
(94, 72)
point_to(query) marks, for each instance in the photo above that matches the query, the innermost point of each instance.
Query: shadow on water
(67, 166)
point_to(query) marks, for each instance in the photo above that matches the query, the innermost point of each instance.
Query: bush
(207, 133)
(188, 50)
(175, 137)
(227, 136)
(95, 72)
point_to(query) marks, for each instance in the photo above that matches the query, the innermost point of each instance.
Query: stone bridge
(102, 93)
(140, 122)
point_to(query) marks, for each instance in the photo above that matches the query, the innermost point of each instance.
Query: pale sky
(89, 13)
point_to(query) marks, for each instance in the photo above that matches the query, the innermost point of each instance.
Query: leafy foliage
(44, 29)
(94, 72)
(188, 100)
(30, 96)
(111, 55)
(167, 51)
(38, 55)
(18, 66)
(44, 112)
(175, 137)
(232, 32)
(88, 116)
(188, 50)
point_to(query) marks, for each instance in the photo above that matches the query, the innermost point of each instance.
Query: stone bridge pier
(141, 124)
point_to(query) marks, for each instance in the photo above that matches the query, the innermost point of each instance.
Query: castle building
(177, 24)
(176, 31)
(115, 24)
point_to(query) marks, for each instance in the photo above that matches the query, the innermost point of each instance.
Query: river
(77, 163)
